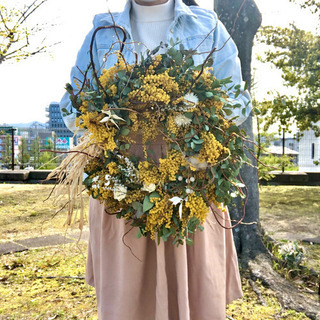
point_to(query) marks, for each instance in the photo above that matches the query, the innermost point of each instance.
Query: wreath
(130, 112)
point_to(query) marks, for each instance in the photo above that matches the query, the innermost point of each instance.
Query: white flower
(181, 120)
(110, 117)
(180, 178)
(197, 164)
(119, 192)
(192, 179)
(188, 191)
(177, 200)
(95, 179)
(191, 97)
(148, 187)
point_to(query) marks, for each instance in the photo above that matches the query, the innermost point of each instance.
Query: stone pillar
(242, 20)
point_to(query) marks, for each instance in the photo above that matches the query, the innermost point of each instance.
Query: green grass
(292, 209)
(48, 283)
(250, 308)
(25, 212)
(293, 213)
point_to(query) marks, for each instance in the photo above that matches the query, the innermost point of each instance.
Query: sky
(29, 86)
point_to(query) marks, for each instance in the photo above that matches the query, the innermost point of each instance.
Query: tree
(242, 19)
(7, 154)
(313, 5)
(296, 53)
(255, 259)
(47, 159)
(24, 156)
(35, 152)
(15, 36)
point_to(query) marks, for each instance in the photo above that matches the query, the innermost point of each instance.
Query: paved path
(59, 239)
(44, 241)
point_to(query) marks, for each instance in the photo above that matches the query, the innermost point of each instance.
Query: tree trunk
(255, 259)
(242, 20)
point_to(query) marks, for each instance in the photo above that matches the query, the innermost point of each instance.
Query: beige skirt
(141, 280)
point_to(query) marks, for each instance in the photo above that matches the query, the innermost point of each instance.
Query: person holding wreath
(143, 279)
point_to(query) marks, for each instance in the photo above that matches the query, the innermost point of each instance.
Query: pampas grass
(69, 177)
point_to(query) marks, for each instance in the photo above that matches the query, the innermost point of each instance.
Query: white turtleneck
(150, 24)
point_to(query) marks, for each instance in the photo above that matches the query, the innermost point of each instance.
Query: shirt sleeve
(77, 77)
(226, 64)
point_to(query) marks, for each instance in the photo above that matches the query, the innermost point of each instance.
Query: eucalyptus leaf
(155, 194)
(139, 234)
(136, 205)
(197, 147)
(189, 115)
(147, 205)
(126, 90)
(197, 141)
(228, 112)
(125, 131)
(178, 57)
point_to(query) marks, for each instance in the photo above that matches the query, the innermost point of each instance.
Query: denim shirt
(195, 27)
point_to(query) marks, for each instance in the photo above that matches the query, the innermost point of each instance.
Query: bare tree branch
(15, 38)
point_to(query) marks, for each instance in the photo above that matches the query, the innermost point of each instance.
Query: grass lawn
(48, 283)
(290, 211)
(293, 213)
(25, 212)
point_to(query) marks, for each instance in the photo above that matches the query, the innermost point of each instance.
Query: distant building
(36, 129)
(64, 137)
(309, 146)
(290, 143)
(275, 147)
(56, 122)
(278, 151)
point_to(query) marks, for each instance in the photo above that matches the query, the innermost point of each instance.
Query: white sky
(29, 86)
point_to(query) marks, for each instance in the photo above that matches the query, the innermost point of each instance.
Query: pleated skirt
(139, 279)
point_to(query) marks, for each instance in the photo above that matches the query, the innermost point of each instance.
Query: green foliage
(271, 162)
(289, 260)
(48, 160)
(291, 253)
(15, 36)
(312, 5)
(24, 156)
(280, 110)
(7, 152)
(296, 53)
(35, 152)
